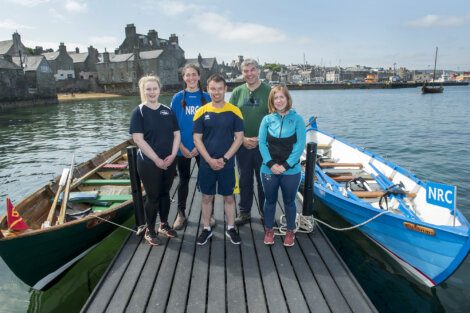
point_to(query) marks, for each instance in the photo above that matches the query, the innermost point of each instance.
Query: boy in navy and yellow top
(218, 133)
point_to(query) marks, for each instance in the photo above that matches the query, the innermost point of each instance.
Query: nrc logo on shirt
(191, 110)
(164, 112)
(207, 117)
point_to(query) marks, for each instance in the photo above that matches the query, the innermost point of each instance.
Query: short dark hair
(216, 78)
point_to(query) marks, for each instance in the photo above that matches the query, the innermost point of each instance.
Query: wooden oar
(93, 171)
(65, 198)
(63, 179)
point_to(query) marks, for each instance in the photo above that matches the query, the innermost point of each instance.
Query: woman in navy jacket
(281, 143)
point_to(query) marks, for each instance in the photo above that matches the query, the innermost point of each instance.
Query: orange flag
(15, 221)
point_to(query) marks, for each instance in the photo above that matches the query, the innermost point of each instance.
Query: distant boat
(432, 89)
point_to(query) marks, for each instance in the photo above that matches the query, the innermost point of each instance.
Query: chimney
(199, 59)
(62, 48)
(130, 30)
(38, 50)
(173, 39)
(153, 38)
(92, 51)
(16, 38)
(240, 59)
(77, 50)
(105, 56)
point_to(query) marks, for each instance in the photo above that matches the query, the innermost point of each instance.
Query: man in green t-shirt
(252, 99)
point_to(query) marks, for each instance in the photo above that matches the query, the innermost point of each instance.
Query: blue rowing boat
(428, 240)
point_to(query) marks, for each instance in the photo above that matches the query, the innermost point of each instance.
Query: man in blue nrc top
(218, 133)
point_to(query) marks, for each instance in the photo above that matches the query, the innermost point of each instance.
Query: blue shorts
(224, 179)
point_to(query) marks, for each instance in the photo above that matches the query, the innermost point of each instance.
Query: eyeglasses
(251, 99)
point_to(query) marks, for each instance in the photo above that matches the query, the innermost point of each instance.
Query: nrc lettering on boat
(420, 229)
(441, 195)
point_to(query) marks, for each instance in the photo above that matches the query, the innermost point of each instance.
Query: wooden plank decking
(221, 277)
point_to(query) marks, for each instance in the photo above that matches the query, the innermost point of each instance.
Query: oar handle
(62, 182)
(65, 198)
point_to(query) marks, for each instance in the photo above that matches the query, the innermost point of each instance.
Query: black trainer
(204, 236)
(234, 236)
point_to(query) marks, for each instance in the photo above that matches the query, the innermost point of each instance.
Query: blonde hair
(143, 81)
(285, 91)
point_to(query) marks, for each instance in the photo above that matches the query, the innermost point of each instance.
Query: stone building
(38, 75)
(12, 80)
(61, 63)
(149, 42)
(13, 47)
(140, 55)
(84, 63)
(121, 72)
(207, 66)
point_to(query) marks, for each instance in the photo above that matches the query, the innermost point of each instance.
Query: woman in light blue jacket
(281, 143)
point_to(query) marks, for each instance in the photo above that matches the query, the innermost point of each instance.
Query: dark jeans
(249, 163)
(184, 172)
(289, 185)
(157, 184)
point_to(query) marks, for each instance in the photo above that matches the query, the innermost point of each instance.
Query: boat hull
(431, 252)
(36, 255)
(50, 249)
(430, 259)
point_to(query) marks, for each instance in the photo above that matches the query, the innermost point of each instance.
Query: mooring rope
(305, 224)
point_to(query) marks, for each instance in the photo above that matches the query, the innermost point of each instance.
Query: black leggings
(157, 184)
(184, 172)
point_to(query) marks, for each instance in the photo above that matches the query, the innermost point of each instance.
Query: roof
(206, 62)
(152, 54)
(30, 62)
(51, 55)
(5, 46)
(4, 64)
(78, 57)
(124, 57)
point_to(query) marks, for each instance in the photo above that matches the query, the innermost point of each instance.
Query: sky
(376, 33)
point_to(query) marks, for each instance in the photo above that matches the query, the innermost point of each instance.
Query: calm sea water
(427, 134)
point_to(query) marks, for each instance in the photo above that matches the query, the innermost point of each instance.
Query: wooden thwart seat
(323, 146)
(101, 182)
(332, 164)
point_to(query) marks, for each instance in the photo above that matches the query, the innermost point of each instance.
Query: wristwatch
(225, 159)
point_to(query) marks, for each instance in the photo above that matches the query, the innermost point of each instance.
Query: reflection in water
(71, 290)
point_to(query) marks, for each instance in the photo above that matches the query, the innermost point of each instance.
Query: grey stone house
(121, 72)
(13, 47)
(84, 63)
(61, 63)
(12, 80)
(38, 75)
(149, 42)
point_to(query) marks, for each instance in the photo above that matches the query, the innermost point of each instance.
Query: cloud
(29, 3)
(174, 8)
(56, 15)
(222, 28)
(432, 20)
(12, 25)
(75, 6)
(102, 42)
